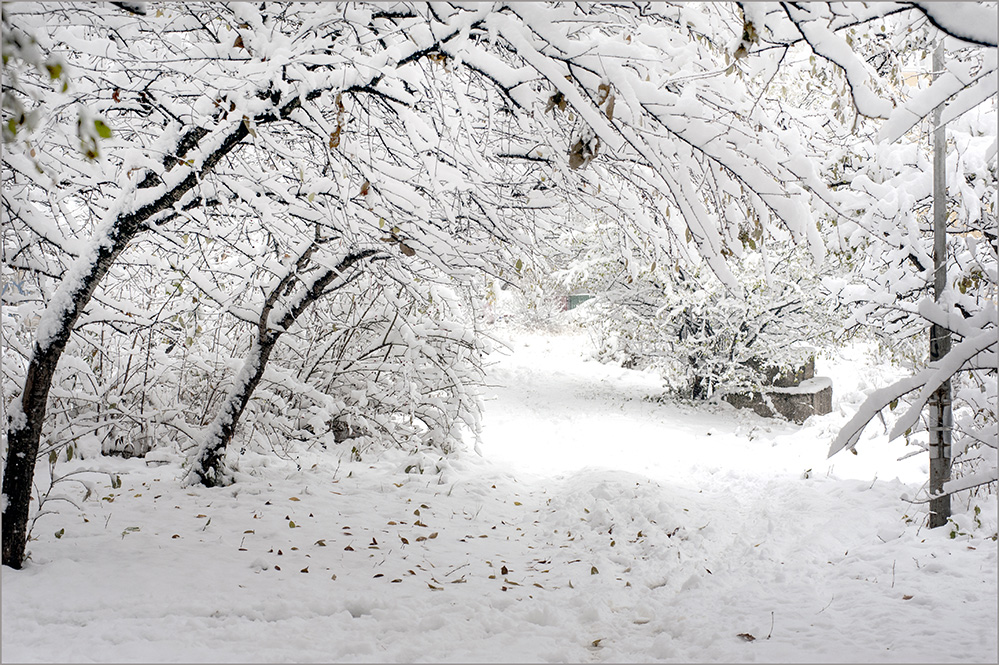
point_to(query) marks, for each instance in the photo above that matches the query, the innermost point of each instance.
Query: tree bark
(940, 414)
(27, 416)
(209, 468)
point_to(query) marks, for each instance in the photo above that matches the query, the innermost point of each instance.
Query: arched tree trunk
(209, 466)
(27, 415)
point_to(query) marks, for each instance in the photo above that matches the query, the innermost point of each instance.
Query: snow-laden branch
(961, 85)
(849, 435)
(941, 371)
(972, 480)
(972, 22)
(814, 27)
(928, 379)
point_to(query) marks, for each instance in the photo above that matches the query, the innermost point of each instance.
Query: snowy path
(823, 561)
(598, 527)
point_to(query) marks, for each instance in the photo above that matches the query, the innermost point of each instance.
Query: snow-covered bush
(380, 364)
(535, 301)
(676, 316)
(684, 323)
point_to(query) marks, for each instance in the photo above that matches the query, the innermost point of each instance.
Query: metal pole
(941, 418)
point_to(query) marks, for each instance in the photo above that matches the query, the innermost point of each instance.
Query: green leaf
(519, 265)
(55, 70)
(53, 457)
(59, 533)
(291, 524)
(893, 404)
(102, 130)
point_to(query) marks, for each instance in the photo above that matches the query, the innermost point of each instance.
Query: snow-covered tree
(683, 322)
(199, 121)
(881, 228)
(876, 217)
(889, 243)
(319, 145)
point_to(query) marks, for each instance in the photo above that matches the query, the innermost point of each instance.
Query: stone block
(775, 376)
(811, 397)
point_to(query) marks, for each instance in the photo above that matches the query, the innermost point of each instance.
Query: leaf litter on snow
(640, 537)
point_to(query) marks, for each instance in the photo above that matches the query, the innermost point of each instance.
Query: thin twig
(827, 605)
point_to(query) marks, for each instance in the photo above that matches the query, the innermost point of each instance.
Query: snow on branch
(815, 29)
(972, 22)
(972, 480)
(872, 406)
(940, 371)
(928, 379)
(959, 84)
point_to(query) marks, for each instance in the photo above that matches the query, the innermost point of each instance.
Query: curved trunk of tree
(71, 298)
(209, 467)
(28, 414)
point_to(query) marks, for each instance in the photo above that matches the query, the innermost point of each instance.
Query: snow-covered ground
(599, 525)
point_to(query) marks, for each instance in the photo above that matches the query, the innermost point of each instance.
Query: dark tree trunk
(941, 416)
(27, 417)
(209, 468)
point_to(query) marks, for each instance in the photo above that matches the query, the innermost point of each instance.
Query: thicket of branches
(232, 226)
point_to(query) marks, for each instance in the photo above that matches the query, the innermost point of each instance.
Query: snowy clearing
(598, 526)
